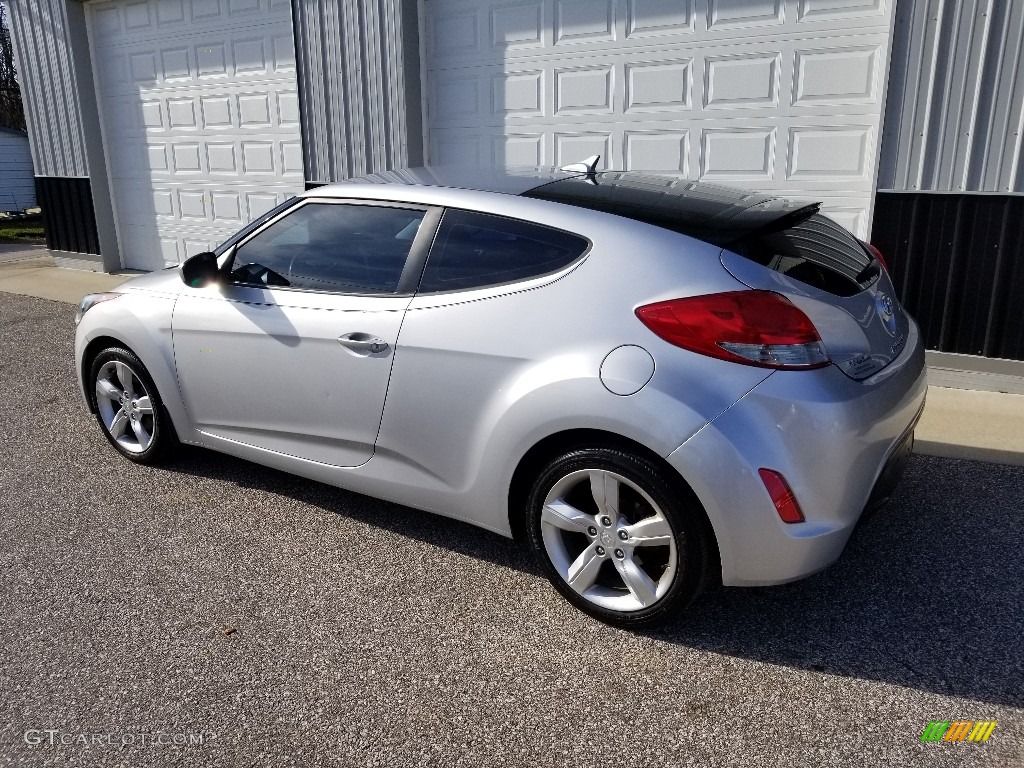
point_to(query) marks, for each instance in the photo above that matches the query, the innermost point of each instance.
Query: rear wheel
(129, 408)
(616, 536)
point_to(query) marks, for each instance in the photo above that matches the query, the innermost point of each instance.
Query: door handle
(363, 342)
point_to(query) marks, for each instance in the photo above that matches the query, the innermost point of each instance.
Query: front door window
(342, 248)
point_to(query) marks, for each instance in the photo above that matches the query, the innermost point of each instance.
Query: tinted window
(331, 247)
(252, 226)
(475, 249)
(816, 251)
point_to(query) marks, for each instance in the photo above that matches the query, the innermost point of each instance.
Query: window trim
(261, 221)
(566, 268)
(415, 260)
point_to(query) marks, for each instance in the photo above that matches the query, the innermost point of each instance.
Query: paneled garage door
(769, 94)
(200, 119)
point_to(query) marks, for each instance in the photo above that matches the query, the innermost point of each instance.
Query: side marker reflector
(782, 496)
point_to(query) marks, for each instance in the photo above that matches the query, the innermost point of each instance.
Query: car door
(292, 350)
(481, 321)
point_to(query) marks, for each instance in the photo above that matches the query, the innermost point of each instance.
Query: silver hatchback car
(654, 383)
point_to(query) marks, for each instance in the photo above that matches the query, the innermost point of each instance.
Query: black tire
(678, 569)
(152, 419)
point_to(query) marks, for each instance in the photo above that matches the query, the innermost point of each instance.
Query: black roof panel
(716, 214)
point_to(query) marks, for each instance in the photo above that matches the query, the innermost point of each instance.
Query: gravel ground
(287, 623)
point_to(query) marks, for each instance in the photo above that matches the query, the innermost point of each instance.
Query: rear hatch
(833, 278)
(770, 243)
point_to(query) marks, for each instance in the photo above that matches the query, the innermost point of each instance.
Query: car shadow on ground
(928, 595)
(436, 530)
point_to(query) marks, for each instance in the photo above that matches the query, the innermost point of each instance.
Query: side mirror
(200, 270)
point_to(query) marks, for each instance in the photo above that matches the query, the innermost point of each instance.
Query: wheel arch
(558, 443)
(159, 366)
(89, 354)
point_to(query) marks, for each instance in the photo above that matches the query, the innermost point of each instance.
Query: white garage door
(768, 94)
(199, 109)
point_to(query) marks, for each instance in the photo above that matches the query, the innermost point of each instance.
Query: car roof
(710, 212)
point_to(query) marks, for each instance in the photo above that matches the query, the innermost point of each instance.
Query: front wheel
(128, 407)
(617, 537)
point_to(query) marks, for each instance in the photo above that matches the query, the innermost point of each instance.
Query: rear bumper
(893, 469)
(841, 445)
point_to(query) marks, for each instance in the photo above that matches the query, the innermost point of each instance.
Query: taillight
(751, 327)
(782, 496)
(878, 255)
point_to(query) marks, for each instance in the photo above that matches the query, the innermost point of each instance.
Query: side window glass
(473, 250)
(256, 223)
(343, 248)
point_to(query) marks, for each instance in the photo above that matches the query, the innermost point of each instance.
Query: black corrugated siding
(68, 215)
(958, 264)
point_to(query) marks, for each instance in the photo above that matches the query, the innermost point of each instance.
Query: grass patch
(25, 231)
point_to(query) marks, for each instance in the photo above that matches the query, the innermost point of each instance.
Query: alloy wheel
(125, 406)
(609, 540)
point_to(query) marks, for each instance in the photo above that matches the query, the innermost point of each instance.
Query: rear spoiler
(785, 221)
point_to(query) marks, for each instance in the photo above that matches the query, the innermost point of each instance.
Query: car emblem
(883, 304)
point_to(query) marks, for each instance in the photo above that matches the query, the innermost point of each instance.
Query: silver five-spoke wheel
(125, 406)
(619, 535)
(128, 407)
(609, 540)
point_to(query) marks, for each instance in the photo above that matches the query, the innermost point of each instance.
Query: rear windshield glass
(787, 236)
(816, 251)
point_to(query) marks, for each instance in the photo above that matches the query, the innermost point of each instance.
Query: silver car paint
(828, 435)
(481, 376)
(141, 321)
(265, 367)
(529, 367)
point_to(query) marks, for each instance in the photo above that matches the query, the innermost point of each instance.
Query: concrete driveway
(267, 621)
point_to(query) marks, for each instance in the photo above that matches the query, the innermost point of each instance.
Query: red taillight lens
(878, 255)
(752, 327)
(782, 496)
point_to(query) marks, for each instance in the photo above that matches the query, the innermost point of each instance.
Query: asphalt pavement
(269, 621)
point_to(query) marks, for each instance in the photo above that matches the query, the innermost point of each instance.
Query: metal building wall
(957, 264)
(359, 92)
(52, 57)
(949, 210)
(49, 87)
(955, 114)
